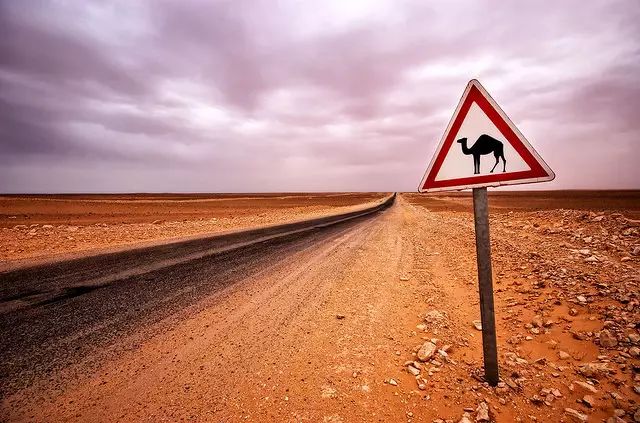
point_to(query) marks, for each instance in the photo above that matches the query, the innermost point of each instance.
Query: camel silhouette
(485, 144)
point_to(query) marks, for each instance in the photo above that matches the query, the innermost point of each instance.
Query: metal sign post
(483, 252)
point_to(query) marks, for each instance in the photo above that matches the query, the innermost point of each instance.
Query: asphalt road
(57, 314)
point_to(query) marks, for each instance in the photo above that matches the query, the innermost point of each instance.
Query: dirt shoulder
(56, 227)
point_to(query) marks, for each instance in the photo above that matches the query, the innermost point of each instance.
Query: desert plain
(374, 320)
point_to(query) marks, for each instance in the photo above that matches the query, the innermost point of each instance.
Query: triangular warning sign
(482, 147)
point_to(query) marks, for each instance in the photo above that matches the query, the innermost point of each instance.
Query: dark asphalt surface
(54, 315)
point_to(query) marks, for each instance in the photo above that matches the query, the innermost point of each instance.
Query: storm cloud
(305, 96)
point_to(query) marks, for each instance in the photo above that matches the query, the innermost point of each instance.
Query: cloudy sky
(304, 95)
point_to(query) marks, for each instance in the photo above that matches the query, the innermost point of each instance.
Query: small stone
(413, 370)
(482, 412)
(591, 259)
(563, 355)
(536, 400)
(634, 352)
(581, 299)
(404, 278)
(593, 369)
(477, 324)
(636, 389)
(393, 382)
(586, 386)
(426, 351)
(588, 400)
(578, 416)
(607, 339)
(434, 316)
(466, 418)
(573, 312)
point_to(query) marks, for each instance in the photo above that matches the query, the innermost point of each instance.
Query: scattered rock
(588, 400)
(563, 355)
(414, 371)
(482, 412)
(536, 400)
(466, 418)
(477, 324)
(578, 416)
(607, 339)
(594, 370)
(426, 351)
(393, 382)
(434, 316)
(586, 386)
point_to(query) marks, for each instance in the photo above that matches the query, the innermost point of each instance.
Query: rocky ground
(567, 290)
(381, 324)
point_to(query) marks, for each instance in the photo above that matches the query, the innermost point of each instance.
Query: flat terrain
(45, 226)
(508, 201)
(329, 327)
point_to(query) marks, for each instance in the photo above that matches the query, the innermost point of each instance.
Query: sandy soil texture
(377, 324)
(46, 226)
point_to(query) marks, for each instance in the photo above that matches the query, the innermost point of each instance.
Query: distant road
(54, 315)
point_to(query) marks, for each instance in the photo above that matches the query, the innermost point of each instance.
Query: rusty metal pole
(485, 284)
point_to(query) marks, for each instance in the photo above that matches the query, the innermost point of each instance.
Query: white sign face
(482, 147)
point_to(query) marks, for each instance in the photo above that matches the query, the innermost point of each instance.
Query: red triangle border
(474, 95)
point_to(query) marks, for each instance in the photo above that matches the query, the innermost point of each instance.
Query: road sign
(481, 147)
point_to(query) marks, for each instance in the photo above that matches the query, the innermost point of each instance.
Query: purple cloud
(255, 95)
